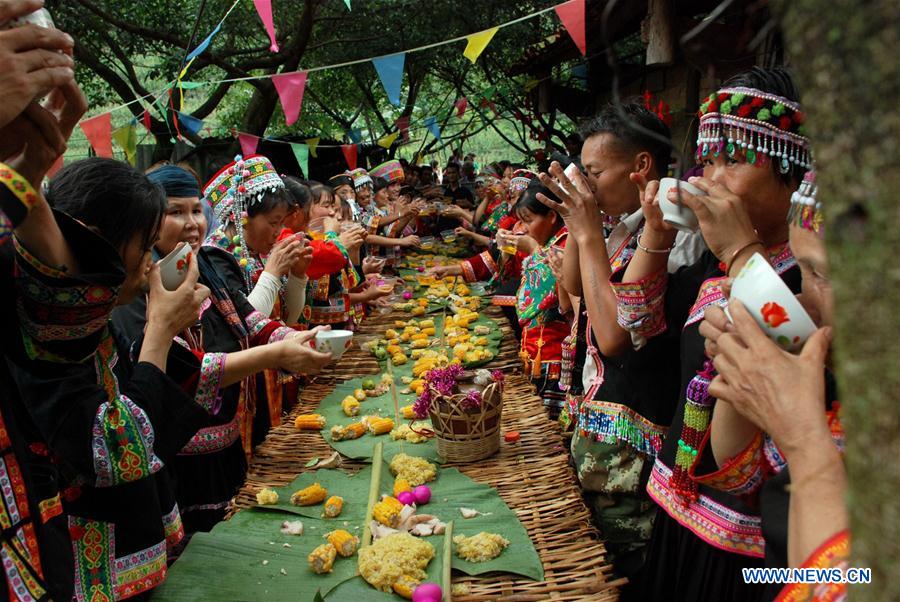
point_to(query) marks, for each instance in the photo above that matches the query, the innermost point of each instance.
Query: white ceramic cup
(335, 342)
(678, 216)
(173, 268)
(772, 304)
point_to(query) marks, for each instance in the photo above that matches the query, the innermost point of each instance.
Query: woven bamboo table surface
(532, 476)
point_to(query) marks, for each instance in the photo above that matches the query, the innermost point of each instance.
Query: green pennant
(301, 153)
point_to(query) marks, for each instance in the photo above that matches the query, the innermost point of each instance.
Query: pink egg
(428, 592)
(423, 494)
(421, 268)
(406, 498)
(407, 295)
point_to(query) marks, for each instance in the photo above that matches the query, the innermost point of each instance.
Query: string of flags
(290, 86)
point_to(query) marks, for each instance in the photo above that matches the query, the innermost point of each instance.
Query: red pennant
(461, 105)
(146, 120)
(55, 167)
(349, 151)
(290, 88)
(264, 9)
(402, 124)
(249, 144)
(99, 133)
(571, 14)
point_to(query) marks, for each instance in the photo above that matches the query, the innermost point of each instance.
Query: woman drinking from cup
(754, 154)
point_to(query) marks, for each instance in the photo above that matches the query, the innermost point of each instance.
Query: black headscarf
(176, 181)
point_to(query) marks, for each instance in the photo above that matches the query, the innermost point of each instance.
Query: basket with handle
(464, 433)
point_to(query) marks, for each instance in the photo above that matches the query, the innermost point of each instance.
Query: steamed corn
(309, 496)
(322, 558)
(387, 511)
(345, 543)
(309, 422)
(350, 406)
(333, 506)
(380, 426)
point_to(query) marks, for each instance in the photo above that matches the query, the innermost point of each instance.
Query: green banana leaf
(336, 482)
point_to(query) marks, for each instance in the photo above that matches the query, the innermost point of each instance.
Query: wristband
(738, 252)
(654, 251)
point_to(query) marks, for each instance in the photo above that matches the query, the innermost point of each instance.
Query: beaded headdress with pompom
(806, 209)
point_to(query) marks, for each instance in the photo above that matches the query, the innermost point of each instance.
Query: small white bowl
(173, 268)
(772, 304)
(335, 342)
(678, 216)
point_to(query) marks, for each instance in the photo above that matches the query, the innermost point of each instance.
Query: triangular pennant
(347, 2)
(99, 133)
(350, 152)
(290, 88)
(203, 45)
(431, 124)
(571, 14)
(145, 118)
(477, 42)
(126, 138)
(387, 141)
(264, 9)
(190, 123)
(312, 143)
(461, 105)
(488, 94)
(390, 71)
(301, 153)
(192, 85)
(249, 144)
(355, 135)
(402, 124)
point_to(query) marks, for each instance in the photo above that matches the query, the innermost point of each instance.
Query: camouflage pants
(613, 477)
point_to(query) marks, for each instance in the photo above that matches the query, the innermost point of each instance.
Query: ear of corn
(354, 430)
(310, 422)
(333, 506)
(387, 511)
(380, 426)
(404, 586)
(401, 485)
(322, 558)
(343, 542)
(350, 406)
(408, 413)
(308, 496)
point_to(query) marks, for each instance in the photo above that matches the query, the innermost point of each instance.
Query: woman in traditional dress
(776, 434)
(754, 154)
(211, 468)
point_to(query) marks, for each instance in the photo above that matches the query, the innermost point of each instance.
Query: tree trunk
(844, 55)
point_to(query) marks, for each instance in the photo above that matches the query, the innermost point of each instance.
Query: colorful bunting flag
(249, 144)
(301, 153)
(347, 2)
(355, 135)
(433, 127)
(190, 123)
(312, 143)
(290, 88)
(388, 140)
(461, 105)
(98, 131)
(477, 42)
(201, 48)
(54, 169)
(126, 138)
(146, 120)
(390, 71)
(402, 124)
(350, 152)
(264, 9)
(571, 14)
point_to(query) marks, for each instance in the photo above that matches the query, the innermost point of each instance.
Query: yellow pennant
(387, 141)
(477, 42)
(312, 143)
(126, 138)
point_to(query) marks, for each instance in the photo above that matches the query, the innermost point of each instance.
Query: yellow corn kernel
(394, 349)
(418, 311)
(308, 496)
(322, 558)
(333, 507)
(354, 430)
(359, 394)
(387, 511)
(408, 413)
(350, 406)
(309, 422)
(390, 334)
(404, 338)
(401, 485)
(343, 542)
(418, 336)
(380, 426)
(426, 324)
(399, 359)
(404, 586)
(419, 344)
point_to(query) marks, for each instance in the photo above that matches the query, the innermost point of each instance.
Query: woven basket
(467, 434)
